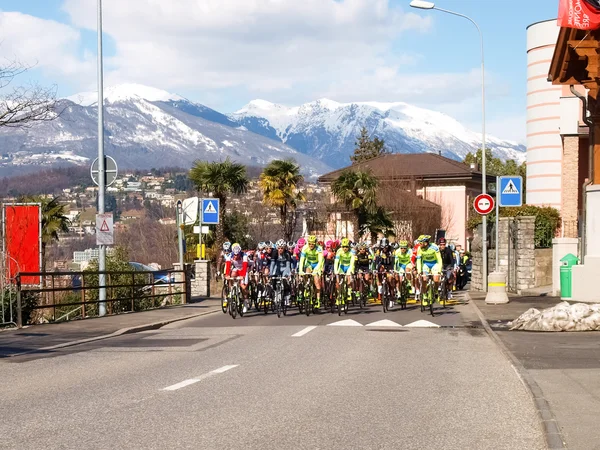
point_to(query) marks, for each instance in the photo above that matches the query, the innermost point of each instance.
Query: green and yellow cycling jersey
(312, 258)
(402, 259)
(430, 256)
(344, 262)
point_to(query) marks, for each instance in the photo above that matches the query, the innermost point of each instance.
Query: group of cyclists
(313, 275)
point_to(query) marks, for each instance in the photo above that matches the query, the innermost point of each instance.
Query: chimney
(474, 167)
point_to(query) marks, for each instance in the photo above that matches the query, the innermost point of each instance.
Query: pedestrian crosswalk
(384, 323)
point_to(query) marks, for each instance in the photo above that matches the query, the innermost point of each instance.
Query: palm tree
(376, 223)
(357, 190)
(54, 221)
(279, 183)
(221, 179)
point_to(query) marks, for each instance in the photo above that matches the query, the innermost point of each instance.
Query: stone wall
(543, 267)
(570, 185)
(200, 284)
(518, 262)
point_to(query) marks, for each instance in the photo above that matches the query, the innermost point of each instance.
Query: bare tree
(22, 106)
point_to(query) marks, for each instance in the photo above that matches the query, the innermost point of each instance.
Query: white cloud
(264, 46)
(45, 44)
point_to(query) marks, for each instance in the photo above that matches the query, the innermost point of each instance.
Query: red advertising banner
(22, 241)
(580, 14)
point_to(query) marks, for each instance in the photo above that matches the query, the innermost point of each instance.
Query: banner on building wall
(580, 14)
(22, 241)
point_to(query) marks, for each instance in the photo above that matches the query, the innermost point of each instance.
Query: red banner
(22, 235)
(580, 14)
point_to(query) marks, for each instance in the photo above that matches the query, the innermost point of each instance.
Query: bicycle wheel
(431, 290)
(284, 306)
(278, 304)
(233, 306)
(444, 294)
(384, 300)
(423, 294)
(403, 293)
(224, 294)
(308, 299)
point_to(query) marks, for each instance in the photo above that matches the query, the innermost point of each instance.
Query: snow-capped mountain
(327, 129)
(145, 128)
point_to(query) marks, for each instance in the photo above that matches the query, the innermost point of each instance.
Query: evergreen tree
(367, 148)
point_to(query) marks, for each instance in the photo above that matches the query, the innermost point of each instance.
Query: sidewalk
(565, 366)
(40, 338)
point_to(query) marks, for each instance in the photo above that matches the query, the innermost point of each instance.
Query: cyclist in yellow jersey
(403, 264)
(311, 261)
(429, 260)
(345, 261)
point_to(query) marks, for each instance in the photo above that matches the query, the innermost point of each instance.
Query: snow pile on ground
(562, 317)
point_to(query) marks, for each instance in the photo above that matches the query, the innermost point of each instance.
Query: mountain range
(147, 127)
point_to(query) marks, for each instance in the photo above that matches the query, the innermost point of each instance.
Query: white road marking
(345, 323)
(422, 324)
(185, 383)
(384, 323)
(303, 332)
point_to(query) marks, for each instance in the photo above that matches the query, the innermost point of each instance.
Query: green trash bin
(566, 275)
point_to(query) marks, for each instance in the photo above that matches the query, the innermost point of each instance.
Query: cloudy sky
(224, 53)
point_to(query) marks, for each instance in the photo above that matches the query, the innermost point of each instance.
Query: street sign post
(483, 204)
(110, 171)
(510, 191)
(105, 230)
(210, 211)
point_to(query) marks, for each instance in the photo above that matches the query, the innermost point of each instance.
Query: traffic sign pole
(101, 168)
(497, 223)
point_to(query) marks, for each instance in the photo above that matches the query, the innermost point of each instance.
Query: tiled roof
(403, 166)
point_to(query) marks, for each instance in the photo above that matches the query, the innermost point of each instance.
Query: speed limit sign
(484, 204)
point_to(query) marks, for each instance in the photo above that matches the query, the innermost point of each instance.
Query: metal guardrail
(74, 295)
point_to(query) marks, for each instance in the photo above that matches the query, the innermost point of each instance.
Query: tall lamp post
(101, 170)
(421, 4)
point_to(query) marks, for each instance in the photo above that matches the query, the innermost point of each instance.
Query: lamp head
(422, 4)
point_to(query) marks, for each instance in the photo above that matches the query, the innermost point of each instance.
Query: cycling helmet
(268, 244)
(345, 242)
(384, 242)
(362, 246)
(236, 248)
(280, 244)
(291, 244)
(329, 244)
(226, 246)
(426, 238)
(261, 245)
(442, 240)
(301, 242)
(312, 239)
(403, 244)
(395, 246)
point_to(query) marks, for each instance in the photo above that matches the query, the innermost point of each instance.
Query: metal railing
(74, 295)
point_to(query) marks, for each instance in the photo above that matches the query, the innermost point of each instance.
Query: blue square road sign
(210, 211)
(510, 192)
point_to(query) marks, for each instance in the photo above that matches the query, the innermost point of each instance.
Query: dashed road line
(304, 331)
(191, 381)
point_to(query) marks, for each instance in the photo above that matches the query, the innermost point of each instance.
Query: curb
(122, 331)
(550, 427)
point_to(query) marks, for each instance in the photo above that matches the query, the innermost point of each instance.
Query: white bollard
(496, 293)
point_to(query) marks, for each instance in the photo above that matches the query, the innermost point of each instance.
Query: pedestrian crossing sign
(510, 192)
(210, 211)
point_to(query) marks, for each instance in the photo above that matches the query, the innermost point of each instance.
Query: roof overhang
(576, 57)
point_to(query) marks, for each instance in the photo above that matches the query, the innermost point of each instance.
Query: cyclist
(281, 266)
(311, 261)
(223, 257)
(364, 261)
(328, 257)
(448, 264)
(384, 265)
(344, 263)
(429, 261)
(237, 266)
(403, 264)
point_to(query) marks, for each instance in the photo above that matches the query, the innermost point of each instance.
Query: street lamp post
(101, 170)
(421, 4)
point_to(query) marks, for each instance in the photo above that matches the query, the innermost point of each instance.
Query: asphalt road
(267, 383)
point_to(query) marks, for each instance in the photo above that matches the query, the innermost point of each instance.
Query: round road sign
(110, 171)
(484, 204)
